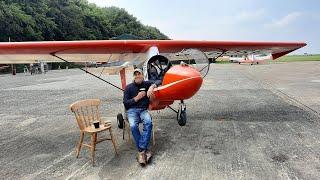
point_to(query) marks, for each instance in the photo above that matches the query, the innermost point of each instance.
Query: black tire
(182, 119)
(120, 121)
(239, 62)
(257, 62)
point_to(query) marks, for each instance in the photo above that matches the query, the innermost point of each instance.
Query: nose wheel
(182, 114)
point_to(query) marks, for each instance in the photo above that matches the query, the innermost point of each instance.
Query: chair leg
(93, 146)
(154, 133)
(153, 137)
(113, 142)
(129, 132)
(80, 144)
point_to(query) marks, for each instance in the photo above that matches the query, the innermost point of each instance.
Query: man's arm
(127, 100)
(150, 93)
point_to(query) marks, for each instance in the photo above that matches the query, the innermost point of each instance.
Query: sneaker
(148, 156)
(141, 157)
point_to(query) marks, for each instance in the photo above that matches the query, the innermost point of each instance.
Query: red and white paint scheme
(251, 59)
(180, 81)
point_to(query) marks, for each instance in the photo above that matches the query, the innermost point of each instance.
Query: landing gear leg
(182, 114)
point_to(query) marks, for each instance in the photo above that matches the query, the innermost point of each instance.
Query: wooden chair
(86, 112)
(127, 128)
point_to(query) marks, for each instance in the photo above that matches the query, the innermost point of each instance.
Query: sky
(239, 20)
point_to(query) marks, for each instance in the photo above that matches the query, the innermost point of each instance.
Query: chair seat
(91, 129)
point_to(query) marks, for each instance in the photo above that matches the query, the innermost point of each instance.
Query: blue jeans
(135, 117)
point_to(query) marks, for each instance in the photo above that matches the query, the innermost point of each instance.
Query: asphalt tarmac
(246, 122)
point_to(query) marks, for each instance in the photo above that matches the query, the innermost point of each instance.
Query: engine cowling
(179, 83)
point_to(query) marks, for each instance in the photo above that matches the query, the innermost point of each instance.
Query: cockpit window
(157, 67)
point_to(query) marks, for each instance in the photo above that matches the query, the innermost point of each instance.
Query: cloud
(285, 21)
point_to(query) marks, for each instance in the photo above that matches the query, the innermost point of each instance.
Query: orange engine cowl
(180, 82)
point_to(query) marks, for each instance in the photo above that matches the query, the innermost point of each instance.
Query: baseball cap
(137, 70)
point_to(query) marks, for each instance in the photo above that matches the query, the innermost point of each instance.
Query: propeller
(197, 59)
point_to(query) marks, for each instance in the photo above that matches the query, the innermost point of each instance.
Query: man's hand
(150, 93)
(139, 96)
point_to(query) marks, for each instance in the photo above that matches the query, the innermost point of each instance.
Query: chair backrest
(86, 111)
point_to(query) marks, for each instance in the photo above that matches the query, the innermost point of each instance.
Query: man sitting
(136, 100)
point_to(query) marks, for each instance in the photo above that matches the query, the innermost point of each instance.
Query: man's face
(138, 77)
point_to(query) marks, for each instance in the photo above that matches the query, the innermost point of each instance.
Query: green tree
(34, 20)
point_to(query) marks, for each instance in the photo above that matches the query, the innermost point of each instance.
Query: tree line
(48, 20)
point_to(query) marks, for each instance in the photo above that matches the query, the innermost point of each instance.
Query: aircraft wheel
(257, 62)
(182, 117)
(120, 121)
(239, 62)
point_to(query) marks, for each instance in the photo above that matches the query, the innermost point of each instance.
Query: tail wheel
(120, 121)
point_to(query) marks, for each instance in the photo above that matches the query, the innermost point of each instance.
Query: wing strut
(53, 54)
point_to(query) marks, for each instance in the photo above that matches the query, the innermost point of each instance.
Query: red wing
(86, 51)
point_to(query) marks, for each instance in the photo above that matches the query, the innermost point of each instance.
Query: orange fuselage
(179, 83)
